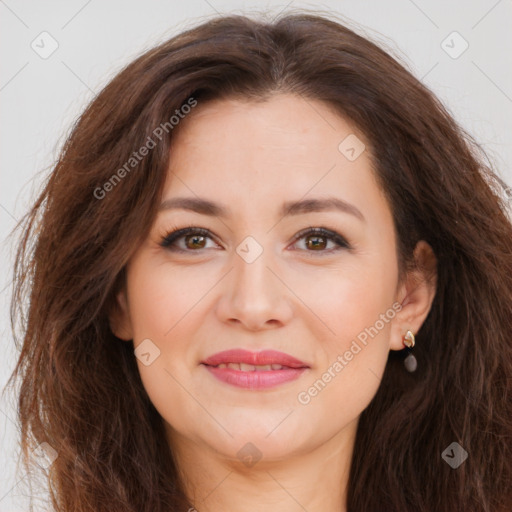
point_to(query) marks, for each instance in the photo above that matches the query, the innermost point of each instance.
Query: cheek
(357, 309)
(351, 299)
(162, 296)
(356, 305)
(164, 304)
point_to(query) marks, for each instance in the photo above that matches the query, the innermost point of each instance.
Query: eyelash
(175, 234)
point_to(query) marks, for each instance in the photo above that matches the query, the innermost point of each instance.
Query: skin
(308, 302)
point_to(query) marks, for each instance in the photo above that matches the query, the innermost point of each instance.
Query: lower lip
(255, 379)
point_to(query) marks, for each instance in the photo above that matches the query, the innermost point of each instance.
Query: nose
(254, 295)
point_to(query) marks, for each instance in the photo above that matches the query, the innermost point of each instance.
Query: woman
(268, 270)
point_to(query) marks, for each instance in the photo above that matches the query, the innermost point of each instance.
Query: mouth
(243, 367)
(254, 370)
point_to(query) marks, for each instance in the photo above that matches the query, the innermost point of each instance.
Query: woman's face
(259, 174)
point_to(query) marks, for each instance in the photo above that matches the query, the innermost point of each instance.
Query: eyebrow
(207, 207)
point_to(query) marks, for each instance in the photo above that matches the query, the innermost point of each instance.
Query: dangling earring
(410, 362)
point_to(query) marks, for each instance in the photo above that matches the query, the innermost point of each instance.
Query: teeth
(250, 367)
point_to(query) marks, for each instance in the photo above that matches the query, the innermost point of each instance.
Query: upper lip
(254, 358)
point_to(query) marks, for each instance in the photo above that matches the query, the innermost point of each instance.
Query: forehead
(286, 147)
(277, 123)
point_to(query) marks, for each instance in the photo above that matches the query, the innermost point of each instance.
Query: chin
(273, 443)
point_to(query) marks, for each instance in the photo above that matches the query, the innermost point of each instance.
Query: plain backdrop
(41, 95)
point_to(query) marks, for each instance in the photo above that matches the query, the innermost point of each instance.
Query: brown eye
(195, 241)
(190, 239)
(316, 242)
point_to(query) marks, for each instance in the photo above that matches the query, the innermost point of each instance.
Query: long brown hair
(80, 388)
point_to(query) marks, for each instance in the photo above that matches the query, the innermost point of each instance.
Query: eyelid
(176, 233)
(330, 234)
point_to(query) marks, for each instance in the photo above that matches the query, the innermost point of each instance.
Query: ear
(415, 295)
(119, 317)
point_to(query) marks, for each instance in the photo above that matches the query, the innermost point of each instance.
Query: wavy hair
(80, 390)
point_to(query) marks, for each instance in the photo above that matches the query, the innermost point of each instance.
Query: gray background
(41, 97)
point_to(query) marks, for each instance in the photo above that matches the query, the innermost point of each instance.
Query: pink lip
(255, 358)
(258, 379)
